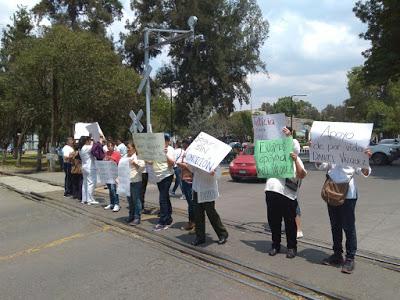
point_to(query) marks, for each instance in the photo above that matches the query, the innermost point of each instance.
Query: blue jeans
(343, 219)
(177, 172)
(165, 202)
(114, 199)
(187, 191)
(135, 205)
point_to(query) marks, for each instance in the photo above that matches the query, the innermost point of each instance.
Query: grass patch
(28, 162)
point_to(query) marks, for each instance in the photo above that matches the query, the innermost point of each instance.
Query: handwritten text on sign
(340, 143)
(124, 180)
(206, 152)
(150, 146)
(268, 127)
(273, 158)
(106, 171)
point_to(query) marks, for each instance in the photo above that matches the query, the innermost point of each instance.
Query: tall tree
(92, 15)
(383, 20)
(211, 73)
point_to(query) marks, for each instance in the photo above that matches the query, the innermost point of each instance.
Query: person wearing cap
(281, 198)
(164, 173)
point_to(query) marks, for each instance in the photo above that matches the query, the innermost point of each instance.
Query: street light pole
(345, 111)
(291, 108)
(175, 35)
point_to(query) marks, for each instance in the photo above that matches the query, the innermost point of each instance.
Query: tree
(288, 106)
(211, 73)
(383, 20)
(92, 15)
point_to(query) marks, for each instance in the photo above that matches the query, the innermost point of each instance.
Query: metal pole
(170, 90)
(291, 113)
(146, 63)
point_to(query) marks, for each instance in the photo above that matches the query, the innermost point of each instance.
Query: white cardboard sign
(86, 129)
(124, 180)
(107, 171)
(268, 127)
(340, 143)
(206, 152)
(150, 146)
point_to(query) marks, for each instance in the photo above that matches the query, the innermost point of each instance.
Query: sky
(312, 44)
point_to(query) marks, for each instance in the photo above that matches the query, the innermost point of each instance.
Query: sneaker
(109, 206)
(94, 202)
(183, 197)
(135, 222)
(291, 253)
(116, 208)
(83, 202)
(348, 266)
(334, 260)
(299, 234)
(160, 227)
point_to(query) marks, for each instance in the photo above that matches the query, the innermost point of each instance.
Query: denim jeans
(187, 191)
(68, 180)
(343, 219)
(135, 205)
(165, 202)
(177, 172)
(114, 199)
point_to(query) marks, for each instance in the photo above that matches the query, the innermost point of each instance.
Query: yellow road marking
(52, 244)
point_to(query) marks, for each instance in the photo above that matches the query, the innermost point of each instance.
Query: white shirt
(178, 155)
(67, 150)
(136, 171)
(278, 185)
(122, 149)
(88, 161)
(341, 174)
(161, 169)
(205, 184)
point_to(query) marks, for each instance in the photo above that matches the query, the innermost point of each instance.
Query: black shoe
(222, 240)
(334, 260)
(291, 253)
(169, 222)
(129, 219)
(348, 266)
(273, 251)
(198, 241)
(135, 222)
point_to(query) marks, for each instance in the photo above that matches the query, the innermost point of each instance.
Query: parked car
(244, 165)
(385, 151)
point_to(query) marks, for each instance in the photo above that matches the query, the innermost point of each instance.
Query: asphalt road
(49, 254)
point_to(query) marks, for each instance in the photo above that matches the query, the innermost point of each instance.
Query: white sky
(311, 47)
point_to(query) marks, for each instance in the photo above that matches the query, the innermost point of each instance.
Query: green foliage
(383, 20)
(91, 15)
(214, 73)
(289, 106)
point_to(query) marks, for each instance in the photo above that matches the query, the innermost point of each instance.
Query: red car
(244, 165)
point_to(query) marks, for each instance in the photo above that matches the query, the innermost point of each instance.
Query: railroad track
(275, 285)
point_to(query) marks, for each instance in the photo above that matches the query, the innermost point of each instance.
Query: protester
(68, 151)
(121, 148)
(205, 192)
(186, 184)
(342, 218)
(135, 203)
(281, 198)
(88, 171)
(76, 175)
(164, 174)
(114, 156)
(177, 171)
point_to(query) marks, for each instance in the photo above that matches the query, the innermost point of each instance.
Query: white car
(386, 151)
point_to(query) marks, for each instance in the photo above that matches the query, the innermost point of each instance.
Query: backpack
(334, 193)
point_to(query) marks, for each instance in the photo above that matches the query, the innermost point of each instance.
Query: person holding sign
(281, 198)
(135, 203)
(205, 192)
(342, 217)
(88, 171)
(114, 156)
(164, 174)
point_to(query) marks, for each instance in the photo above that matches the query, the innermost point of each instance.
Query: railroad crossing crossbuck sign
(136, 125)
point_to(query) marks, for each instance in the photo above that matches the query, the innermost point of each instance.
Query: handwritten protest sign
(124, 180)
(206, 152)
(150, 146)
(340, 143)
(268, 127)
(273, 158)
(106, 171)
(86, 129)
